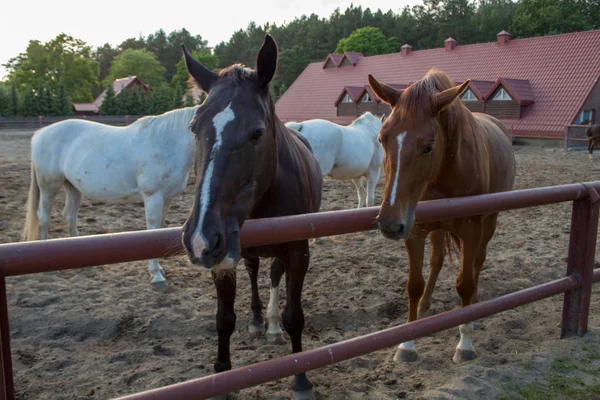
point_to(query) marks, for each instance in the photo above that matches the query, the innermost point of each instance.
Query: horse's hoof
(275, 338)
(461, 356)
(160, 286)
(256, 330)
(423, 314)
(303, 395)
(405, 355)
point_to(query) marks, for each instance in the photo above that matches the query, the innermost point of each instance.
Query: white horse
(148, 160)
(347, 152)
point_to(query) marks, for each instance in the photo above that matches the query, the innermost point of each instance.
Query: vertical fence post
(582, 251)
(7, 390)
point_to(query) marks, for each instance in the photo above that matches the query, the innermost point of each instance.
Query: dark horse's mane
(416, 101)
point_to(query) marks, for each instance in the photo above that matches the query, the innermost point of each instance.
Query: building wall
(344, 109)
(592, 103)
(475, 106)
(503, 109)
(364, 107)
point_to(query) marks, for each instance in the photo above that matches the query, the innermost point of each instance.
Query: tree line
(46, 71)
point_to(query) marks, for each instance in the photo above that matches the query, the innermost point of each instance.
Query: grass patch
(563, 364)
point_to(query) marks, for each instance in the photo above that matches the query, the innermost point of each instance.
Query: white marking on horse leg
(465, 344)
(274, 329)
(219, 122)
(408, 346)
(153, 206)
(400, 139)
(464, 350)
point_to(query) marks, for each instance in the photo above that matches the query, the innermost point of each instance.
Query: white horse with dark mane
(347, 152)
(148, 160)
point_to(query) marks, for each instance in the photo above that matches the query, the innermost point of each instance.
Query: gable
(330, 64)
(345, 62)
(500, 95)
(469, 96)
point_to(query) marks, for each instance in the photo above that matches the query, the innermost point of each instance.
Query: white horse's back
(346, 152)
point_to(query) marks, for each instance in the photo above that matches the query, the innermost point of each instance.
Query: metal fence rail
(57, 254)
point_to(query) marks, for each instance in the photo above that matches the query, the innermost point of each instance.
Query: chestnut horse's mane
(416, 101)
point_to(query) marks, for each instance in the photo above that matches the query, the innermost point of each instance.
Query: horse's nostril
(400, 229)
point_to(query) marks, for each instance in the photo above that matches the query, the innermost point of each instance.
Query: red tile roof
(480, 88)
(85, 107)
(561, 71)
(118, 85)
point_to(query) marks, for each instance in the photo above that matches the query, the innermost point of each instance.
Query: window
(366, 98)
(585, 117)
(346, 99)
(469, 96)
(502, 95)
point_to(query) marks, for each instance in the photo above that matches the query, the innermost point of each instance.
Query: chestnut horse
(592, 133)
(249, 165)
(435, 148)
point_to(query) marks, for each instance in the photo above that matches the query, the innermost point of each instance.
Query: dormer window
(346, 99)
(469, 96)
(366, 98)
(501, 95)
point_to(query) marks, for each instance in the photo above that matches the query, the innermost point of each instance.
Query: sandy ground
(105, 332)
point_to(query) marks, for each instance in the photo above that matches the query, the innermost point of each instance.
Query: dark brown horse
(592, 133)
(249, 165)
(435, 148)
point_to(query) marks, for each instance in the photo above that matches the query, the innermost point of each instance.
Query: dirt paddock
(104, 332)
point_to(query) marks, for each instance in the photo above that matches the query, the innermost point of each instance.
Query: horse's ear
(386, 93)
(445, 98)
(203, 76)
(266, 61)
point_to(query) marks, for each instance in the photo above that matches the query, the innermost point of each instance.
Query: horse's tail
(31, 229)
(452, 246)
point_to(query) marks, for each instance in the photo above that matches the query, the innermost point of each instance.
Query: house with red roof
(118, 86)
(536, 86)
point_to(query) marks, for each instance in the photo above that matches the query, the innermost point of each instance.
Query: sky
(111, 21)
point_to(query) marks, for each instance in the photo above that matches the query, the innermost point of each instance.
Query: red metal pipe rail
(255, 374)
(60, 254)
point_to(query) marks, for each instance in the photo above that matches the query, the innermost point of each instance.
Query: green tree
(140, 63)
(543, 17)
(14, 107)
(109, 104)
(162, 96)
(63, 58)
(177, 101)
(189, 99)
(29, 105)
(104, 56)
(368, 40)
(4, 99)
(62, 103)
(124, 102)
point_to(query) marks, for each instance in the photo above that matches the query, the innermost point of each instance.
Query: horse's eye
(256, 135)
(428, 148)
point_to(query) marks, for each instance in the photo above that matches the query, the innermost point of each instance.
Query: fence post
(582, 251)
(7, 390)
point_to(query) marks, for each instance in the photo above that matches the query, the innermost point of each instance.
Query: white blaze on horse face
(219, 122)
(400, 139)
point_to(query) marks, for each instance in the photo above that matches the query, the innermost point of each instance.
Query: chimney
(406, 49)
(450, 44)
(503, 38)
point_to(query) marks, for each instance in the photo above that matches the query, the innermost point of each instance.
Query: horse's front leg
(256, 326)
(415, 285)
(225, 284)
(153, 206)
(466, 282)
(296, 264)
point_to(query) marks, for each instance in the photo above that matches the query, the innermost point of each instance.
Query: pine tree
(109, 105)
(177, 101)
(62, 103)
(29, 105)
(13, 107)
(44, 101)
(189, 99)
